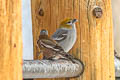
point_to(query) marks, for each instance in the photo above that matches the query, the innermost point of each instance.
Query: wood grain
(94, 45)
(10, 40)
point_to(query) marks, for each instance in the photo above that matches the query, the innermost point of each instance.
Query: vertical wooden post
(94, 45)
(10, 40)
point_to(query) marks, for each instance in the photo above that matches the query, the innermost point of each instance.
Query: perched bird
(50, 48)
(66, 34)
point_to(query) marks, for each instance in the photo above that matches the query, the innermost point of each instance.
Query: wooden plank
(94, 45)
(10, 40)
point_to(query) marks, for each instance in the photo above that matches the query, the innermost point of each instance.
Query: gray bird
(66, 34)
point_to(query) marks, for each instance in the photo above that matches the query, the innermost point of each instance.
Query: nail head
(97, 12)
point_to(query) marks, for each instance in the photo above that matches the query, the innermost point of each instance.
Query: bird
(50, 48)
(66, 34)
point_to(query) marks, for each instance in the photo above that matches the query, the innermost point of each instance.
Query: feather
(60, 35)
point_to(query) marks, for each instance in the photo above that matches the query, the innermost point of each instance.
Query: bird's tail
(68, 56)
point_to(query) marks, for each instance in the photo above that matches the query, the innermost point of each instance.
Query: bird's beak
(74, 20)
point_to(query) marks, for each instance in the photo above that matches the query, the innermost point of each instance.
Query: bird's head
(68, 23)
(43, 32)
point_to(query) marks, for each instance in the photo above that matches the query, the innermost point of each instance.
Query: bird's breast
(70, 40)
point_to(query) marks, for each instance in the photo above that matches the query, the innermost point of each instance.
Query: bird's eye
(69, 22)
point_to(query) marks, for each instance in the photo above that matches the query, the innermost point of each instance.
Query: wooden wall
(94, 45)
(10, 40)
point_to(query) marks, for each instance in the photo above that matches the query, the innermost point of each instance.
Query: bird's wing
(60, 35)
(51, 44)
(47, 43)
